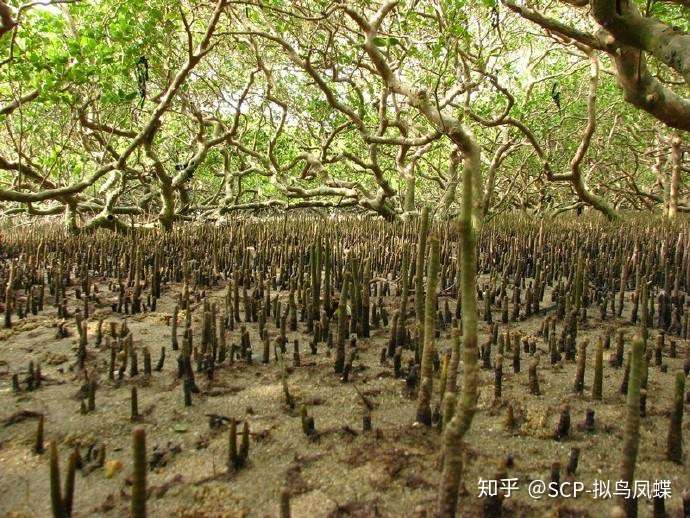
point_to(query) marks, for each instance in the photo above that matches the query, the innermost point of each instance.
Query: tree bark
(466, 406)
(676, 159)
(410, 188)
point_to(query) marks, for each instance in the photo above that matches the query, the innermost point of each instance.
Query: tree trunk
(426, 369)
(577, 181)
(452, 185)
(676, 159)
(466, 406)
(411, 183)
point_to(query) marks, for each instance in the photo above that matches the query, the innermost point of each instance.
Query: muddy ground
(390, 471)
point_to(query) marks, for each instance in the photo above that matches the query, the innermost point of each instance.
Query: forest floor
(343, 471)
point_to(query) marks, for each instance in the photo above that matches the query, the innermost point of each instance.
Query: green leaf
(380, 42)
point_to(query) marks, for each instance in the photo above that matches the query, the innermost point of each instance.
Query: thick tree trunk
(410, 188)
(71, 218)
(466, 406)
